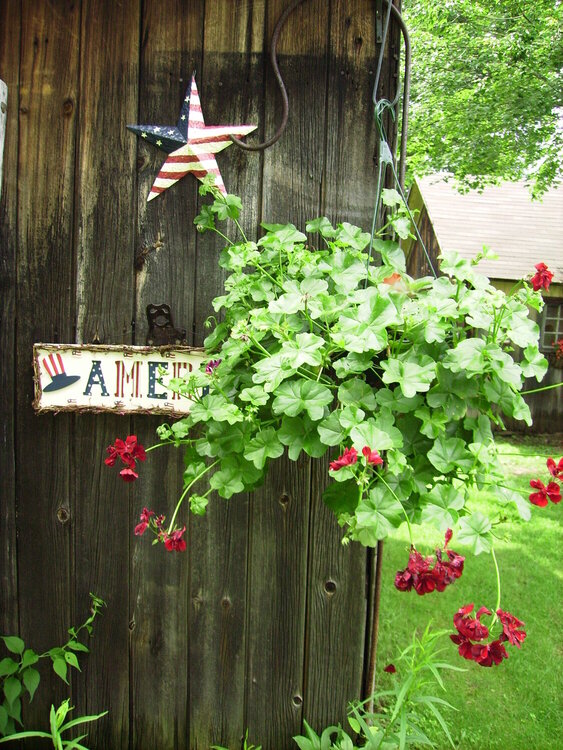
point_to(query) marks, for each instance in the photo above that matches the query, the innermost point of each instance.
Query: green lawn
(518, 704)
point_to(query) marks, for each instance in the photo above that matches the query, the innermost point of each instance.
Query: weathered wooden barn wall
(263, 621)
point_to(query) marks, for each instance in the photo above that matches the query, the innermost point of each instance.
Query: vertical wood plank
(231, 90)
(292, 185)
(45, 312)
(10, 22)
(3, 118)
(336, 614)
(172, 33)
(109, 44)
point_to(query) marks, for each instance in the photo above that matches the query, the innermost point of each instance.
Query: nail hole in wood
(63, 515)
(225, 602)
(330, 587)
(132, 625)
(297, 700)
(68, 106)
(284, 500)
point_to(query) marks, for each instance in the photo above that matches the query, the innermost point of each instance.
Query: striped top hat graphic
(55, 368)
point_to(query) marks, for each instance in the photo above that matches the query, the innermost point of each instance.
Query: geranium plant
(332, 348)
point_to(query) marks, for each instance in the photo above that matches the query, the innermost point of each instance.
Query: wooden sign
(119, 379)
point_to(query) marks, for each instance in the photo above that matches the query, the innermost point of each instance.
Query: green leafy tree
(487, 90)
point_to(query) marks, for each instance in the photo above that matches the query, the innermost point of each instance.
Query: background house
(522, 232)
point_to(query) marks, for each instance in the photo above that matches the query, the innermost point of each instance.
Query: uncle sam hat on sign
(56, 371)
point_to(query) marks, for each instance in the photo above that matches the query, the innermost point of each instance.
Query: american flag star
(191, 145)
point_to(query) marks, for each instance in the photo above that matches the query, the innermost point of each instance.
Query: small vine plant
(331, 348)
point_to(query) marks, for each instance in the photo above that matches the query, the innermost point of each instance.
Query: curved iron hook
(285, 100)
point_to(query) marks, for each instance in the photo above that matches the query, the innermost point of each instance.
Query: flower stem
(402, 508)
(495, 618)
(543, 388)
(185, 492)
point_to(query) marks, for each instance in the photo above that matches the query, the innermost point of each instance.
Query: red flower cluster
(559, 349)
(350, 457)
(141, 527)
(129, 451)
(420, 576)
(172, 541)
(553, 490)
(471, 633)
(542, 278)
(372, 457)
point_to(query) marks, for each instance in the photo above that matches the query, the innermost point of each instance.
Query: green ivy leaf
(71, 659)
(305, 350)
(77, 646)
(321, 226)
(504, 495)
(300, 434)
(8, 666)
(29, 658)
(370, 433)
(352, 363)
(198, 504)
(215, 407)
(3, 720)
(227, 482)
(331, 431)
(534, 364)
(376, 516)
(475, 531)
(271, 371)
(440, 506)
(14, 644)
(12, 690)
(60, 667)
(31, 679)
(433, 421)
(296, 396)
(263, 446)
(341, 497)
(351, 416)
(413, 376)
(228, 208)
(448, 454)
(356, 392)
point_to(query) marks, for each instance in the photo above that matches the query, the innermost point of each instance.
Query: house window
(551, 324)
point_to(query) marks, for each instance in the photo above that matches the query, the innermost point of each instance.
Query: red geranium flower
(555, 469)
(559, 349)
(419, 575)
(210, 366)
(470, 629)
(390, 669)
(372, 457)
(542, 277)
(174, 540)
(140, 528)
(510, 625)
(128, 475)
(129, 451)
(551, 492)
(349, 457)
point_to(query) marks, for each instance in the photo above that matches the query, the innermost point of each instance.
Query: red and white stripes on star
(198, 154)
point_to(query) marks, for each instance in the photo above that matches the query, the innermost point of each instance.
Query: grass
(517, 704)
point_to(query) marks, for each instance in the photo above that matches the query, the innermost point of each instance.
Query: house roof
(521, 231)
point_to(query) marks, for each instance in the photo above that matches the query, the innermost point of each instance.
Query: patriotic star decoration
(191, 145)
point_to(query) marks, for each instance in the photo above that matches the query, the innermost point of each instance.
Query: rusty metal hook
(285, 101)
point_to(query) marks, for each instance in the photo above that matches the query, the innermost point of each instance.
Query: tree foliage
(487, 90)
